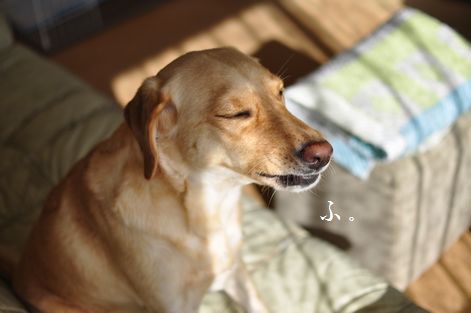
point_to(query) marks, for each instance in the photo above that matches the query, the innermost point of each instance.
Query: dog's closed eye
(238, 115)
(281, 92)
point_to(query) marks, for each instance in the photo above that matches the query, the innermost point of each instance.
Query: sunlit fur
(149, 220)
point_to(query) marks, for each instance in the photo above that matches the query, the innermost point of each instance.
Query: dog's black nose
(316, 154)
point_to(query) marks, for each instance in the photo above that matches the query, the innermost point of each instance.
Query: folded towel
(407, 82)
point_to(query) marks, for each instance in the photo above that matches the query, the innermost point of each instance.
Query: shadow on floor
(391, 301)
(128, 43)
(284, 61)
(455, 13)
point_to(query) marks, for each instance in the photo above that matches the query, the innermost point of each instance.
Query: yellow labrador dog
(149, 221)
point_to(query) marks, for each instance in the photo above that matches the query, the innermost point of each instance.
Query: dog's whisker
(284, 64)
(332, 170)
(284, 77)
(271, 198)
(313, 193)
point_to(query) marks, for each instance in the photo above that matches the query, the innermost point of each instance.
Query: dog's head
(219, 108)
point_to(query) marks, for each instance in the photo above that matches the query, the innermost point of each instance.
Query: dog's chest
(221, 229)
(223, 245)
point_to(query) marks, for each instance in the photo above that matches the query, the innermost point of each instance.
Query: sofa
(50, 119)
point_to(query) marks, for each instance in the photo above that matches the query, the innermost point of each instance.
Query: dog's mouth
(293, 180)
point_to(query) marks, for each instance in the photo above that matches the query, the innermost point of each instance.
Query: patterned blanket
(392, 93)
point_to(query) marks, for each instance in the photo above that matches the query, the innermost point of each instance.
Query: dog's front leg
(241, 288)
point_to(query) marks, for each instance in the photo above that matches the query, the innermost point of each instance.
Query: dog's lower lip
(293, 179)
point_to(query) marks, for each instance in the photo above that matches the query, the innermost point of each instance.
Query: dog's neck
(215, 187)
(211, 200)
(212, 192)
(219, 178)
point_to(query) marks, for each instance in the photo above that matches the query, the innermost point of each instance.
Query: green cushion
(49, 120)
(6, 38)
(8, 302)
(297, 273)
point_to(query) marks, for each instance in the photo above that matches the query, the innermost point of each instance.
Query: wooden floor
(446, 287)
(290, 37)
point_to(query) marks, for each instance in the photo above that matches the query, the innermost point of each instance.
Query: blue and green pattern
(408, 81)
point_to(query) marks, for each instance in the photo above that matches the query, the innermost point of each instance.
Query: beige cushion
(297, 273)
(49, 120)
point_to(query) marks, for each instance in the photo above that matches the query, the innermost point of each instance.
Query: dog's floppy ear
(142, 115)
